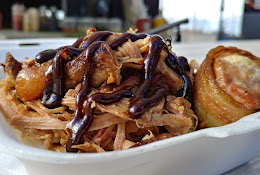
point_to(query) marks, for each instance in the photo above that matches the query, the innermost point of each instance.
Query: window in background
(206, 17)
(203, 15)
(233, 11)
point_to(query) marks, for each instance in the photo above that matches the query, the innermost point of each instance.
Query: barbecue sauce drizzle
(53, 91)
(97, 36)
(54, 88)
(139, 103)
(80, 124)
(140, 100)
(178, 67)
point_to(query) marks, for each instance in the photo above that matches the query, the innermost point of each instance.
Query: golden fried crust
(223, 93)
(239, 76)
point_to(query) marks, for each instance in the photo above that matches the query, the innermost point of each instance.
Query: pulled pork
(112, 127)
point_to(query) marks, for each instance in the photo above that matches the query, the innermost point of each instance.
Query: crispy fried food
(30, 83)
(227, 86)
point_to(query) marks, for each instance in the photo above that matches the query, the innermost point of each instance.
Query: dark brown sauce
(97, 36)
(78, 42)
(144, 97)
(140, 103)
(79, 124)
(184, 63)
(45, 55)
(51, 96)
(72, 52)
(49, 54)
(186, 90)
(54, 91)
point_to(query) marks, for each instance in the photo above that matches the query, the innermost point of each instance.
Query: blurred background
(184, 21)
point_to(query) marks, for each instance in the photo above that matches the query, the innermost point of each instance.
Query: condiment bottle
(35, 19)
(17, 16)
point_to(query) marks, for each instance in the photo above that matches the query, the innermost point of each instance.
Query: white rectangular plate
(207, 151)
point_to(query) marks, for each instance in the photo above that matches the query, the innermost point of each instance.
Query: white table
(11, 166)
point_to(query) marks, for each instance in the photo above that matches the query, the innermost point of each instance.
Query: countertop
(14, 34)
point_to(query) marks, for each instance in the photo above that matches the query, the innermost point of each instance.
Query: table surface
(11, 166)
(14, 34)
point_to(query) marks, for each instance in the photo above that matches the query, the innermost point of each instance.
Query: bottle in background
(35, 19)
(17, 16)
